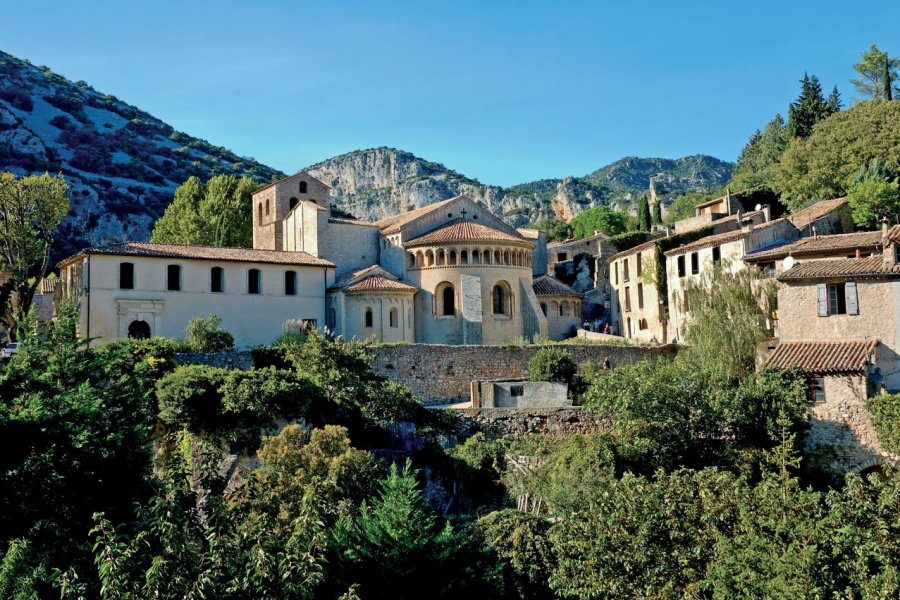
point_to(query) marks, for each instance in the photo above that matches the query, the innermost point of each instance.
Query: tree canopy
(877, 74)
(599, 218)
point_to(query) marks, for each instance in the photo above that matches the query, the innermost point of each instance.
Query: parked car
(9, 350)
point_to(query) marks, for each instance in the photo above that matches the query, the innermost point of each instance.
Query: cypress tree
(887, 79)
(657, 213)
(644, 219)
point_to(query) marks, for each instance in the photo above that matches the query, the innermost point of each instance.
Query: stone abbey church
(447, 273)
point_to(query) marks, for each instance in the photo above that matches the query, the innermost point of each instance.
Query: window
(627, 299)
(544, 308)
(267, 207)
(500, 296)
(393, 317)
(292, 203)
(254, 281)
(638, 268)
(681, 271)
(626, 276)
(817, 389)
(717, 254)
(259, 212)
(560, 257)
(302, 187)
(695, 263)
(564, 309)
(126, 276)
(445, 295)
(290, 283)
(837, 299)
(139, 330)
(368, 317)
(517, 390)
(173, 278)
(616, 273)
(640, 294)
(217, 280)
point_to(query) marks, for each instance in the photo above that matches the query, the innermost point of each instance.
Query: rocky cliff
(380, 182)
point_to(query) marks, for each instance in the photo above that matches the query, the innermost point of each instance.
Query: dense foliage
(205, 334)
(599, 218)
(552, 364)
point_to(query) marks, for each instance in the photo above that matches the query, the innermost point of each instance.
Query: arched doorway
(139, 330)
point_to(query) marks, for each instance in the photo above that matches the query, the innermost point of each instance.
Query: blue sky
(503, 91)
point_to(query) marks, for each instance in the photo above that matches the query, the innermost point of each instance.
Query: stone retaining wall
(442, 374)
(225, 360)
(524, 421)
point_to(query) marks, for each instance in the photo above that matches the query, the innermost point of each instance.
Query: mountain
(122, 164)
(380, 182)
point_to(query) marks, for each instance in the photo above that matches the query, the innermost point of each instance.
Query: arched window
(139, 330)
(476, 257)
(368, 317)
(445, 296)
(412, 260)
(500, 296)
(302, 187)
(259, 212)
(464, 257)
(441, 257)
(290, 283)
(254, 281)
(420, 259)
(564, 309)
(393, 317)
(292, 203)
(429, 258)
(173, 278)
(506, 258)
(554, 308)
(497, 259)
(126, 276)
(453, 257)
(544, 308)
(267, 207)
(216, 280)
(486, 257)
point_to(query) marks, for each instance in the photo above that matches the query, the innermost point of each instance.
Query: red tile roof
(868, 241)
(463, 230)
(550, 286)
(343, 221)
(823, 357)
(640, 247)
(377, 282)
(206, 253)
(840, 267)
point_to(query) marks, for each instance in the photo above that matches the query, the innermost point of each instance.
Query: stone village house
(447, 273)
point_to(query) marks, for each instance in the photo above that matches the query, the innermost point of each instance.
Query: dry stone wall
(442, 374)
(525, 421)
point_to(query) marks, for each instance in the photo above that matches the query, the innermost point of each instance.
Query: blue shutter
(822, 291)
(851, 297)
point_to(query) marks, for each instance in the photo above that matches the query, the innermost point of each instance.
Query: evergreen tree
(754, 165)
(833, 104)
(878, 74)
(657, 212)
(808, 109)
(644, 218)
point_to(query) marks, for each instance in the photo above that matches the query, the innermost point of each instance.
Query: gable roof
(205, 253)
(463, 230)
(872, 266)
(820, 244)
(823, 357)
(374, 278)
(710, 240)
(393, 224)
(550, 286)
(276, 182)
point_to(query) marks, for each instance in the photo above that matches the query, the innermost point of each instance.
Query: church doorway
(139, 330)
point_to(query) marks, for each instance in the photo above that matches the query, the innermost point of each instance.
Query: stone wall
(223, 360)
(442, 374)
(524, 421)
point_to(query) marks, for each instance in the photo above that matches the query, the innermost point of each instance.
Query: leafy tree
(205, 334)
(552, 364)
(753, 169)
(825, 165)
(885, 411)
(557, 230)
(728, 316)
(522, 545)
(219, 213)
(808, 109)
(875, 194)
(31, 208)
(599, 218)
(877, 74)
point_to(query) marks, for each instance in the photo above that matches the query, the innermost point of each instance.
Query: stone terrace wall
(442, 374)
(524, 421)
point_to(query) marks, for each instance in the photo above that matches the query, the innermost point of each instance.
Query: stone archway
(139, 330)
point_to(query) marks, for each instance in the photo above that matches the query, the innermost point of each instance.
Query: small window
(695, 263)
(817, 389)
(292, 203)
(517, 391)
(501, 299)
(544, 308)
(126, 276)
(837, 300)
(393, 318)
(368, 317)
(290, 283)
(217, 280)
(448, 297)
(302, 187)
(717, 254)
(627, 299)
(267, 207)
(616, 273)
(640, 294)
(259, 212)
(173, 278)
(625, 275)
(681, 270)
(254, 281)
(560, 257)
(639, 266)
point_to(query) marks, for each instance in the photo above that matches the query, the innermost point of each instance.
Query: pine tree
(878, 74)
(833, 104)
(808, 109)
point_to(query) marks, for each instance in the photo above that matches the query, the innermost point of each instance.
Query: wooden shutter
(822, 291)
(851, 297)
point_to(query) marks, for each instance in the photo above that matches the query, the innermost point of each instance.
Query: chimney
(858, 253)
(888, 253)
(747, 225)
(815, 233)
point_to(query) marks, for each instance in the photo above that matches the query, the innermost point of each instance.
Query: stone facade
(442, 374)
(638, 312)
(527, 421)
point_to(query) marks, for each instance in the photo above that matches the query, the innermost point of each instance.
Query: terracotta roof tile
(550, 286)
(342, 221)
(840, 267)
(822, 357)
(377, 282)
(640, 247)
(823, 244)
(463, 230)
(206, 253)
(708, 241)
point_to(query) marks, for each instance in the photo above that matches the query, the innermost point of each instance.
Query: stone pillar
(470, 287)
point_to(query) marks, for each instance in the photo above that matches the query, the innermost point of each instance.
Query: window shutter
(823, 299)
(851, 297)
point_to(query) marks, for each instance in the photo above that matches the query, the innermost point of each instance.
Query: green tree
(874, 195)
(753, 169)
(877, 74)
(599, 218)
(809, 108)
(645, 220)
(31, 208)
(219, 213)
(552, 364)
(205, 334)
(825, 164)
(834, 103)
(682, 207)
(522, 546)
(657, 212)
(557, 230)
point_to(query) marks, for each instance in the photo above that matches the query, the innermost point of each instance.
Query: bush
(552, 364)
(204, 334)
(885, 410)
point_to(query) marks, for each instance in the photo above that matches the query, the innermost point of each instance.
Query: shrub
(60, 121)
(552, 364)
(204, 334)
(885, 410)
